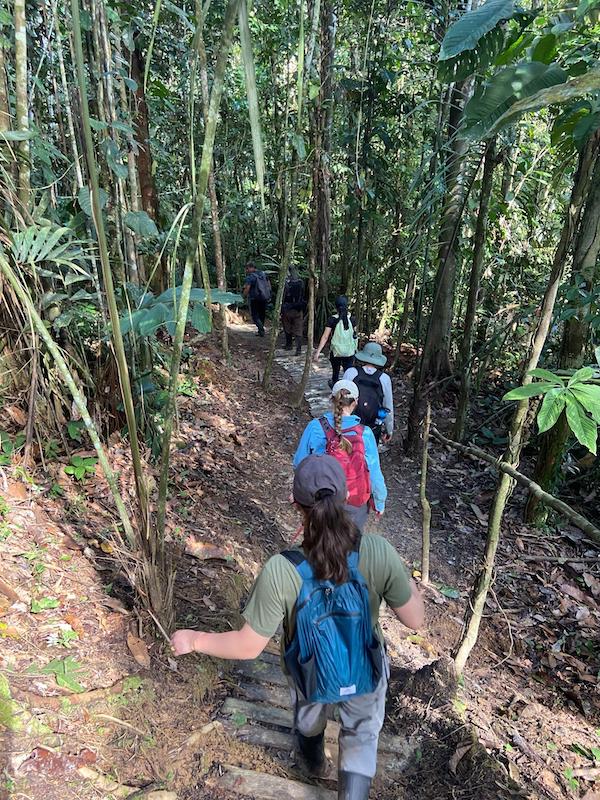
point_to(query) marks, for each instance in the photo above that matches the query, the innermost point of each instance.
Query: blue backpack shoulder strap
(355, 554)
(298, 559)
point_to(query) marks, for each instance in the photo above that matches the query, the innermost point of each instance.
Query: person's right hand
(184, 641)
(316, 356)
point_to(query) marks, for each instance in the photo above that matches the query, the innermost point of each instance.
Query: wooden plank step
(284, 742)
(261, 671)
(276, 695)
(283, 718)
(262, 786)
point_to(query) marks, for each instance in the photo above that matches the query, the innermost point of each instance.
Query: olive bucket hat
(371, 354)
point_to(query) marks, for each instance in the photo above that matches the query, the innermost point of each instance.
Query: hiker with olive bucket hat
(375, 406)
(328, 596)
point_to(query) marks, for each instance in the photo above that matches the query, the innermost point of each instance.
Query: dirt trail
(145, 723)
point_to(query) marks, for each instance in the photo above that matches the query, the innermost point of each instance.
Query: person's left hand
(386, 438)
(183, 641)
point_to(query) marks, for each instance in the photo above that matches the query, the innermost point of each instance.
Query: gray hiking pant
(361, 720)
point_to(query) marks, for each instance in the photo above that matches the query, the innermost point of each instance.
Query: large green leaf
(139, 222)
(584, 428)
(556, 93)
(552, 407)
(583, 374)
(497, 97)
(467, 31)
(530, 390)
(200, 318)
(589, 397)
(545, 375)
(85, 200)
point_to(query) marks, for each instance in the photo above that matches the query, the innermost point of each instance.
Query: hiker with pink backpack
(339, 433)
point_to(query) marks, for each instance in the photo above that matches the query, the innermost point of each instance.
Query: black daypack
(263, 287)
(293, 298)
(370, 395)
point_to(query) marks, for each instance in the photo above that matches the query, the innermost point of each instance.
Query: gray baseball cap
(315, 473)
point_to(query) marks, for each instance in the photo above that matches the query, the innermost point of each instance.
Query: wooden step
(284, 743)
(262, 786)
(268, 715)
(265, 693)
(261, 671)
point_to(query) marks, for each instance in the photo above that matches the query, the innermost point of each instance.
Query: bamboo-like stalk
(425, 504)
(186, 286)
(212, 189)
(77, 395)
(294, 214)
(21, 101)
(117, 338)
(252, 95)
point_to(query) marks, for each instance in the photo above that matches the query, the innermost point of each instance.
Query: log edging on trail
(473, 451)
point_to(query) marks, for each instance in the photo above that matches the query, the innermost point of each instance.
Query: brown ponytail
(341, 401)
(329, 536)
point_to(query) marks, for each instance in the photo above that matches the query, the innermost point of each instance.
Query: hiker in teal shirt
(314, 440)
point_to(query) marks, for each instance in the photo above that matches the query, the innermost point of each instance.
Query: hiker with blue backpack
(340, 434)
(342, 329)
(328, 596)
(375, 401)
(257, 289)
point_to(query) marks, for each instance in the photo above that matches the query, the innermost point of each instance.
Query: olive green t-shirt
(275, 591)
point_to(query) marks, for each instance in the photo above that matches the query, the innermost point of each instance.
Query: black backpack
(293, 297)
(370, 395)
(263, 287)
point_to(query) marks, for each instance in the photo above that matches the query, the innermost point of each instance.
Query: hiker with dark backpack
(342, 329)
(257, 288)
(292, 311)
(327, 595)
(375, 401)
(340, 434)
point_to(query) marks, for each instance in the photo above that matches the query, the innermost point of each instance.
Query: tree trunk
(575, 338)
(512, 454)
(22, 103)
(322, 118)
(212, 192)
(479, 241)
(425, 504)
(436, 355)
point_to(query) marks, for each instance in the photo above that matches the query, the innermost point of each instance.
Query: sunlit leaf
(584, 428)
(552, 407)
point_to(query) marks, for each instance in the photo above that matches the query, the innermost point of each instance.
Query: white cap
(349, 386)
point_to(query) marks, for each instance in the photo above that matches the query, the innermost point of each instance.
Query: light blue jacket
(314, 441)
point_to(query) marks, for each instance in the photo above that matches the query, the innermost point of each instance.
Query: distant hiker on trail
(375, 402)
(328, 596)
(343, 341)
(292, 311)
(257, 288)
(340, 434)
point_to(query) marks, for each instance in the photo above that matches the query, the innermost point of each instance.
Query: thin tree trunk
(436, 355)
(186, 286)
(67, 102)
(512, 454)
(479, 241)
(575, 337)
(212, 189)
(425, 505)
(21, 102)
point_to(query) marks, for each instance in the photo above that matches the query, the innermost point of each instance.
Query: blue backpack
(334, 655)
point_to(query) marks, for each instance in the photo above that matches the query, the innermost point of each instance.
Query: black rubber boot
(298, 345)
(352, 786)
(312, 750)
(288, 341)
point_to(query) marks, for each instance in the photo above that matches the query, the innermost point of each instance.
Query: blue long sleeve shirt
(313, 440)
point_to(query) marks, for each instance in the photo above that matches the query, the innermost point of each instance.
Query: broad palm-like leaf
(499, 96)
(473, 42)
(43, 248)
(466, 32)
